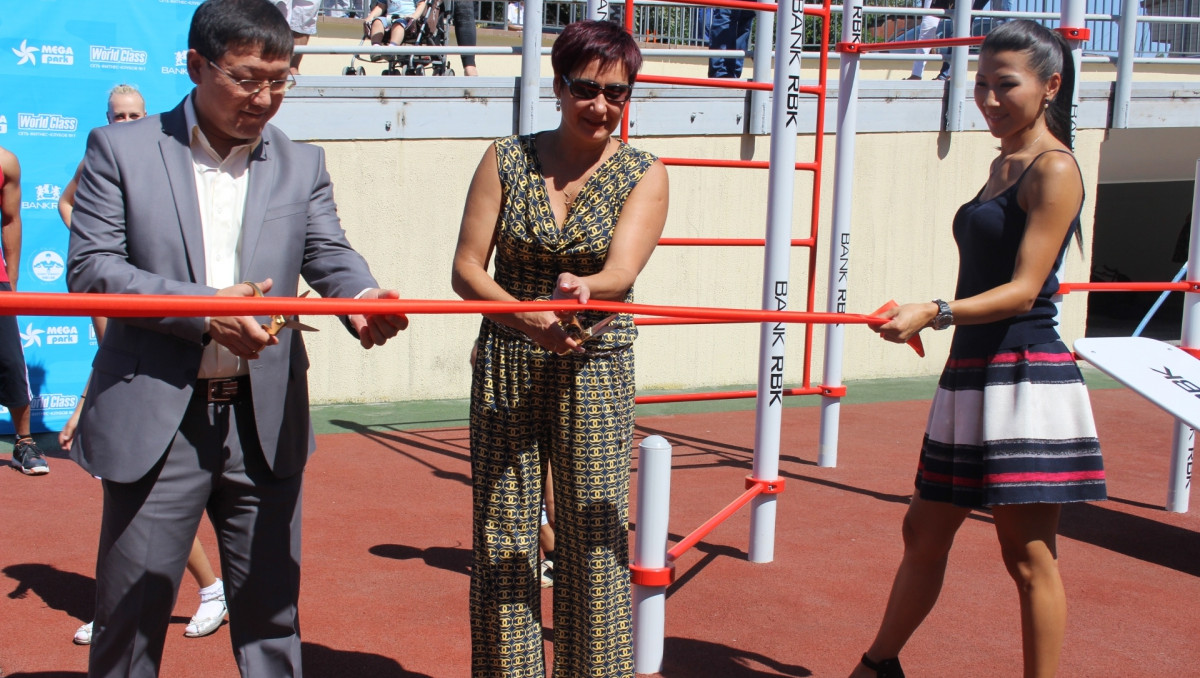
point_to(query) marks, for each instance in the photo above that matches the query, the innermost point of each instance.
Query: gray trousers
(146, 535)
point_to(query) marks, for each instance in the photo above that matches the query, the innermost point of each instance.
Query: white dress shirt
(221, 185)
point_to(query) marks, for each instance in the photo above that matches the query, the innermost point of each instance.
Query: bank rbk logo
(28, 54)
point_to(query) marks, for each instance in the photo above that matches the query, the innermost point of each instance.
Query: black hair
(221, 25)
(1048, 54)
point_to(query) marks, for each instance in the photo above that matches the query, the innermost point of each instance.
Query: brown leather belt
(223, 390)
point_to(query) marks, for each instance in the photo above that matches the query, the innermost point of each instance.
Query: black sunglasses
(587, 90)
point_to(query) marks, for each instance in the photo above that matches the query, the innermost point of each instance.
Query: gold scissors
(580, 334)
(278, 322)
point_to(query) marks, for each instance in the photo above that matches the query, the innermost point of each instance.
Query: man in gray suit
(185, 415)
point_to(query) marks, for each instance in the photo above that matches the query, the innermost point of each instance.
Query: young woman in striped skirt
(1010, 428)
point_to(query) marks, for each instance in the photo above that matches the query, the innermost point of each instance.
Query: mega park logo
(52, 55)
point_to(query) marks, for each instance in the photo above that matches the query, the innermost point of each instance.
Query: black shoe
(886, 668)
(28, 459)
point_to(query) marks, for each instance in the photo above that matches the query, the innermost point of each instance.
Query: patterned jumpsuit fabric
(576, 411)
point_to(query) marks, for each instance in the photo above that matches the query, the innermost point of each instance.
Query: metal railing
(1165, 28)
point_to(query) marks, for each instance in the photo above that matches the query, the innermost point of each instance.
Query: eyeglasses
(253, 87)
(586, 90)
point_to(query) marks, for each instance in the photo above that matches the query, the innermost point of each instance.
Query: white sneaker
(210, 614)
(547, 574)
(84, 635)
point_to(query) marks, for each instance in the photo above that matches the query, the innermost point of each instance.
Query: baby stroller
(428, 29)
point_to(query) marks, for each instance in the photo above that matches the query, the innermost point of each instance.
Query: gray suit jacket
(136, 230)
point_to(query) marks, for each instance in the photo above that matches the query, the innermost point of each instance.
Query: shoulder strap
(1039, 157)
(1078, 227)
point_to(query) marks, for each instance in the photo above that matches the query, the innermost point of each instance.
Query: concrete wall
(401, 202)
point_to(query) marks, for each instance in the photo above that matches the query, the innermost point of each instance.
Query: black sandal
(885, 668)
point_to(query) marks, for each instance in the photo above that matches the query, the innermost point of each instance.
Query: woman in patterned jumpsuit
(570, 213)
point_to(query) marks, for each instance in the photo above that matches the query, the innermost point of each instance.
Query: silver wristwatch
(944, 317)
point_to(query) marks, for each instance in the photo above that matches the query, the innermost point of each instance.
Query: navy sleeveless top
(988, 234)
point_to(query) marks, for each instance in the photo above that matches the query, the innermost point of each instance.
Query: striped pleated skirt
(1012, 428)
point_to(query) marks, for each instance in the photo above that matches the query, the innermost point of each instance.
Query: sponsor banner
(57, 77)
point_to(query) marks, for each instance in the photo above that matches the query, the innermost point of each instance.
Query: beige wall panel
(401, 203)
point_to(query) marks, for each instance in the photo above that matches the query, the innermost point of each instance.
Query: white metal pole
(597, 10)
(1180, 482)
(839, 239)
(1073, 16)
(785, 118)
(650, 550)
(531, 68)
(760, 100)
(1127, 31)
(957, 98)
(1179, 479)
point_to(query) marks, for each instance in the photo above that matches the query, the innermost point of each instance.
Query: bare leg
(20, 420)
(376, 32)
(299, 39)
(1027, 543)
(212, 609)
(198, 565)
(396, 35)
(546, 532)
(548, 492)
(928, 31)
(929, 529)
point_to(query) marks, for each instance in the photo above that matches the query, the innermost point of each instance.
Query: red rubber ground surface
(387, 539)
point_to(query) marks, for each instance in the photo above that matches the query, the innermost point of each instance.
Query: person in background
(929, 26)
(1010, 429)
(388, 20)
(125, 104)
(514, 17)
(464, 33)
(570, 213)
(730, 29)
(26, 457)
(301, 16)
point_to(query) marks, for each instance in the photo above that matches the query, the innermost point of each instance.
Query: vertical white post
(1073, 16)
(839, 239)
(650, 550)
(759, 99)
(1179, 489)
(785, 118)
(1179, 477)
(597, 10)
(531, 67)
(956, 102)
(1127, 30)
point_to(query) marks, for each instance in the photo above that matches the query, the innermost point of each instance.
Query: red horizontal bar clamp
(1083, 34)
(652, 576)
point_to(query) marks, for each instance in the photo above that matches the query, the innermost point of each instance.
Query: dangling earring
(1046, 103)
(558, 104)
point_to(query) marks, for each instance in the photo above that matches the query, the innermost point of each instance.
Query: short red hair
(602, 41)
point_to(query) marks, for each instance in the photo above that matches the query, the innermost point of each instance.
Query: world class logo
(118, 57)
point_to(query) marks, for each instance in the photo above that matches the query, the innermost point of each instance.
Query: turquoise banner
(57, 65)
